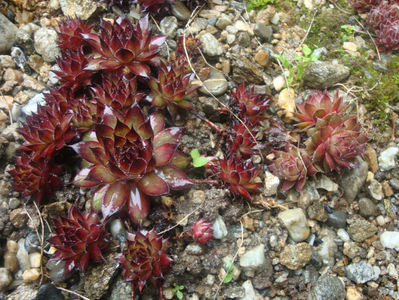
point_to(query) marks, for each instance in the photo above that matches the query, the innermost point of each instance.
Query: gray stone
(390, 239)
(82, 9)
(223, 21)
(362, 272)
(271, 184)
(386, 159)
(296, 256)
(253, 259)
(361, 230)
(367, 207)
(394, 183)
(56, 269)
(49, 292)
(353, 180)
(328, 248)
(321, 75)
(219, 228)
(120, 289)
(180, 11)
(375, 190)
(215, 84)
(327, 287)
(31, 106)
(46, 44)
(5, 278)
(250, 292)
(337, 219)
(169, 26)
(23, 291)
(264, 32)
(8, 33)
(295, 222)
(19, 58)
(210, 45)
(23, 256)
(243, 39)
(244, 69)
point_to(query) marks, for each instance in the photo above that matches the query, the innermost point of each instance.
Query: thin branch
(72, 292)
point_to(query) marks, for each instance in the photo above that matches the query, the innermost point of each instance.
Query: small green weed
(229, 269)
(178, 291)
(198, 160)
(348, 31)
(258, 4)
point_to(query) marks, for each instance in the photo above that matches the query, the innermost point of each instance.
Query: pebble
(327, 287)
(180, 11)
(32, 243)
(250, 293)
(296, 223)
(390, 239)
(353, 180)
(253, 259)
(361, 230)
(262, 57)
(353, 294)
(49, 292)
(243, 39)
(370, 156)
(325, 183)
(278, 82)
(216, 83)
(45, 40)
(35, 260)
(18, 217)
(343, 235)
(374, 189)
(296, 256)
(30, 275)
(210, 45)
(352, 250)
(194, 249)
(275, 19)
(394, 183)
(118, 230)
(386, 189)
(209, 13)
(6, 62)
(321, 74)
(169, 26)
(392, 272)
(231, 29)
(350, 47)
(8, 33)
(271, 184)
(263, 32)
(386, 159)
(81, 9)
(31, 106)
(242, 26)
(19, 58)
(286, 101)
(56, 269)
(23, 256)
(219, 228)
(367, 207)
(223, 21)
(10, 258)
(5, 278)
(362, 272)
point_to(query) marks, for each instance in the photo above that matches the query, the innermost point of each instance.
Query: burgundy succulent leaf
(292, 167)
(122, 45)
(79, 239)
(388, 35)
(239, 175)
(191, 43)
(364, 5)
(47, 130)
(172, 88)
(335, 143)
(35, 178)
(202, 231)
(69, 35)
(317, 106)
(381, 13)
(154, 6)
(242, 142)
(144, 259)
(248, 105)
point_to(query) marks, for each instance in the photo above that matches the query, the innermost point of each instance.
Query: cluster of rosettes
(128, 155)
(334, 141)
(383, 16)
(155, 7)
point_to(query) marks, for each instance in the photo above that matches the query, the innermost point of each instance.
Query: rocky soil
(337, 239)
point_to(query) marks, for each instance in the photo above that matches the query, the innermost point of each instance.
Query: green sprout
(178, 291)
(348, 31)
(198, 160)
(229, 267)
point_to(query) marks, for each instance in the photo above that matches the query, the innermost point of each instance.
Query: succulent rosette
(154, 6)
(248, 105)
(35, 178)
(242, 142)
(381, 13)
(202, 231)
(144, 259)
(47, 130)
(292, 167)
(335, 143)
(191, 43)
(172, 88)
(69, 35)
(388, 35)
(317, 106)
(122, 45)
(129, 160)
(79, 239)
(239, 175)
(363, 5)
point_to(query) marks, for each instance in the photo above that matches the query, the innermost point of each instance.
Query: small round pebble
(30, 275)
(5, 278)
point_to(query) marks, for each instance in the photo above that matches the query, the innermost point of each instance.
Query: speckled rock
(375, 190)
(361, 230)
(5, 278)
(253, 259)
(328, 248)
(367, 207)
(321, 75)
(264, 32)
(46, 44)
(271, 184)
(82, 9)
(216, 83)
(353, 180)
(327, 287)
(296, 256)
(386, 159)
(296, 223)
(362, 272)
(180, 11)
(169, 26)
(210, 45)
(23, 291)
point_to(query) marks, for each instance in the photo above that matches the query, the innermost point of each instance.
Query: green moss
(259, 4)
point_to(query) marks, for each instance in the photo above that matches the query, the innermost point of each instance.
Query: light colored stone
(350, 47)
(5, 278)
(219, 228)
(82, 9)
(296, 256)
(361, 230)
(31, 275)
(375, 190)
(296, 223)
(386, 159)
(286, 101)
(353, 294)
(8, 33)
(242, 26)
(253, 259)
(35, 260)
(362, 272)
(210, 45)
(278, 82)
(180, 11)
(353, 180)
(392, 272)
(250, 292)
(23, 256)
(262, 57)
(343, 235)
(328, 248)
(370, 156)
(223, 21)
(216, 84)
(169, 26)
(271, 184)
(325, 183)
(390, 239)
(31, 106)
(209, 13)
(45, 41)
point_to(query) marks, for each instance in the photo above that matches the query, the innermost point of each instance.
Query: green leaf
(229, 266)
(228, 278)
(195, 154)
(200, 162)
(179, 295)
(306, 50)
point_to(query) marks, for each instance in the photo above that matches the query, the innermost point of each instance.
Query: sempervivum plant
(381, 13)
(79, 239)
(239, 175)
(122, 45)
(69, 35)
(35, 178)
(154, 6)
(364, 5)
(292, 167)
(248, 105)
(191, 43)
(144, 259)
(128, 161)
(388, 34)
(242, 142)
(171, 89)
(317, 106)
(202, 231)
(335, 143)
